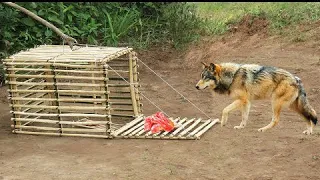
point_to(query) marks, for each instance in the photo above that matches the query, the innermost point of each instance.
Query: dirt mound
(251, 25)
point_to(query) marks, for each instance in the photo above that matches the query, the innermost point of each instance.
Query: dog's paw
(307, 132)
(238, 127)
(262, 129)
(223, 123)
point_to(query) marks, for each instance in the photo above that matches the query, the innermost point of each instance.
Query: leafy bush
(106, 23)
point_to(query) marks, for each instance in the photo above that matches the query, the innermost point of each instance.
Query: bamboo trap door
(185, 129)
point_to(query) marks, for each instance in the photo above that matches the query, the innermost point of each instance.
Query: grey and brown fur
(247, 82)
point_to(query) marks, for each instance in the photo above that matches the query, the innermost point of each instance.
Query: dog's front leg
(235, 105)
(245, 115)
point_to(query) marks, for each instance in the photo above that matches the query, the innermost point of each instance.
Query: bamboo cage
(86, 92)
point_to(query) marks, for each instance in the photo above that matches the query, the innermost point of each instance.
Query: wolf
(248, 82)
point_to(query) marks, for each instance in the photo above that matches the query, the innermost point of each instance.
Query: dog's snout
(197, 87)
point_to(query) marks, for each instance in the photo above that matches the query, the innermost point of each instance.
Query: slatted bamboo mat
(185, 129)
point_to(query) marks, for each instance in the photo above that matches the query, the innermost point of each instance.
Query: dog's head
(209, 76)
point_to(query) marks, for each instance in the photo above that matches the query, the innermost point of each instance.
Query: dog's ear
(204, 65)
(212, 67)
(216, 68)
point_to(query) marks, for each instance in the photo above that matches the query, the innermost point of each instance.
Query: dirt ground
(222, 153)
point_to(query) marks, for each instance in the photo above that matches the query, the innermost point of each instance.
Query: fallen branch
(69, 40)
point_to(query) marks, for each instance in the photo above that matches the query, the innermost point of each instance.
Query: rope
(173, 88)
(140, 91)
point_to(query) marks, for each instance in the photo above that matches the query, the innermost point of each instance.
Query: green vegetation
(219, 15)
(140, 24)
(106, 23)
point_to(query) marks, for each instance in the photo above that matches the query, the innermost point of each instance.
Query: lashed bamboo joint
(87, 92)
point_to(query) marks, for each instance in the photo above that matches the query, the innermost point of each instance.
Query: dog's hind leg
(276, 107)
(283, 96)
(245, 115)
(235, 105)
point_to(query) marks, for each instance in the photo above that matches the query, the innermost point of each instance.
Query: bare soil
(222, 153)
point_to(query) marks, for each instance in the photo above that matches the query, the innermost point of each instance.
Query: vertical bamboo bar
(135, 79)
(94, 82)
(56, 95)
(107, 102)
(50, 87)
(132, 91)
(14, 94)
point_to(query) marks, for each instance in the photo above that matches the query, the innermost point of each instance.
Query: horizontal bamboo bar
(76, 65)
(55, 70)
(84, 123)
(58, 84)
(58, 115)
(59, 107)
(36, 120)
(35, 133)
(87, 135)
(157, 137)
(122, 115)
(57, 77)
(60, 99)
(36, 128)
(60, 91)
(82, 130)
(64, 134)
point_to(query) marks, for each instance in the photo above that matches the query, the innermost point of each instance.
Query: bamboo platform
(185, 129)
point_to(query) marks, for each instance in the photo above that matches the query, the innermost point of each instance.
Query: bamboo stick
(60, 91)
(14, 94)
(60, 99)
(57, 77)
(176, 122)
(84, 123)
(133, 128)
(128, 125)
(135, 78)
(87, 135)
(137, 130)
(199, 128)
(57, 115)
(36, 120)
(121, 115)
(59, 107)
(82, 130)
(35, 133)
(190, 127)
(36, 128)
(26, 64)
(55, 70)
(181, 127)
(132, 88)
(206, 128)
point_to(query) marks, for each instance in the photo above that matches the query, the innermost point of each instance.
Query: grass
(219, 15)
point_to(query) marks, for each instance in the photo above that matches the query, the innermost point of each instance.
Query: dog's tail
(302, 105)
